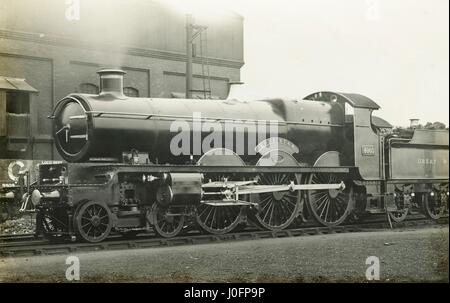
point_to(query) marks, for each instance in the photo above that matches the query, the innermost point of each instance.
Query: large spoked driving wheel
(167, 222)
(277, 210)
(434, 204)
(219, 219)
(93, 221)
(330, 207)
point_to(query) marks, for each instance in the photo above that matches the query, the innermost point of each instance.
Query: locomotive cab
(364, 145)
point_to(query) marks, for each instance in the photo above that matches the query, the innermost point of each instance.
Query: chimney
(414, 123)
(111, 82)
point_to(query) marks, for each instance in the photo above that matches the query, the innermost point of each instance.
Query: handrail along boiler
(322, 163)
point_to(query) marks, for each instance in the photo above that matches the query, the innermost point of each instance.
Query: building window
(15, 119)
(131, 92)
(89, 88)
(17, 103)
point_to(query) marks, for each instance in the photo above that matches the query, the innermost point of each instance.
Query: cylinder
(180, 189)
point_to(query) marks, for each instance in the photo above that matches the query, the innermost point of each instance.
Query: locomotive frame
(219, 191)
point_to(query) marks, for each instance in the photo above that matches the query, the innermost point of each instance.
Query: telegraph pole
(189, 34)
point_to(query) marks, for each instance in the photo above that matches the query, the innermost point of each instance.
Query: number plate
(368, 150)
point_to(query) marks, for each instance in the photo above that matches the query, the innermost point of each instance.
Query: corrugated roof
(16, 84)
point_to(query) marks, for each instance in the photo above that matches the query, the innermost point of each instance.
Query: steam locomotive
(136, 164)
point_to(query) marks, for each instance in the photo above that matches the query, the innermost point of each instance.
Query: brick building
(57, 46)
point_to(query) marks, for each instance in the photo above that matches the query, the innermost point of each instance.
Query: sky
(395, 52)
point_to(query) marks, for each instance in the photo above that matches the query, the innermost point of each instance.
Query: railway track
(16, 237)
(28, 245)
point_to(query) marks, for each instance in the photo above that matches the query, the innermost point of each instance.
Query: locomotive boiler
(103, 126)
(139, 164)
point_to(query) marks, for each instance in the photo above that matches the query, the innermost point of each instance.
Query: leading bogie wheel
(93, 221)
(167, 221)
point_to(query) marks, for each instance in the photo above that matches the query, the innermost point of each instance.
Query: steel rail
(36, 248)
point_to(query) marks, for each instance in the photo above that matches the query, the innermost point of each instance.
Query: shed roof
(16, 84)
